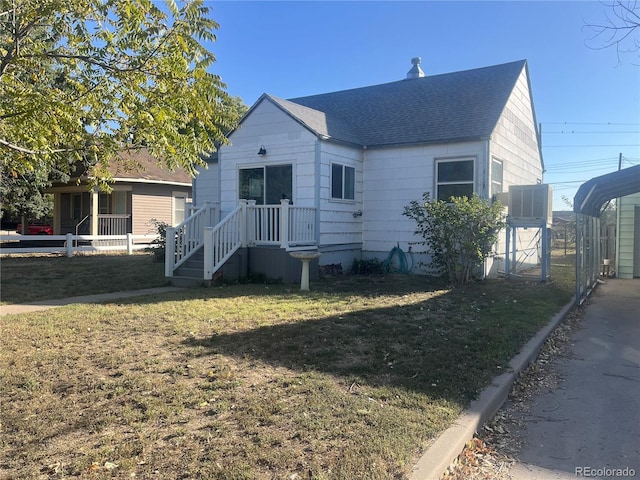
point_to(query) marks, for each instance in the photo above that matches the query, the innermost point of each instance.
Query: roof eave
(480, 138)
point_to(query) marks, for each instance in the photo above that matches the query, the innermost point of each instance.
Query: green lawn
(30, 278)
(350, 380)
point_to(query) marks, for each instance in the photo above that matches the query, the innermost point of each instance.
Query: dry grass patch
(351, 380)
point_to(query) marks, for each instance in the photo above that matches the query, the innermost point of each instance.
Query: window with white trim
(179, 207)
(496, 176)
(454, 178)
(266, 185)
(343, 182)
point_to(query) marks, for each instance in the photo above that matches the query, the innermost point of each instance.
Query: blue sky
(587, 102)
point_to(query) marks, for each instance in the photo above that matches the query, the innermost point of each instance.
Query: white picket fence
(70, 244)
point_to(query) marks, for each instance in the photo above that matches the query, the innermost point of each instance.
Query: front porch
(206, 245)
(82, 212)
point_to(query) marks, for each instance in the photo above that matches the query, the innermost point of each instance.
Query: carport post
(545, 251)
(514, 248)
(578, 258)
(507, 257)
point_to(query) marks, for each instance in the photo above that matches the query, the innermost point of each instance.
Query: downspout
(487, 170)
(317, 160)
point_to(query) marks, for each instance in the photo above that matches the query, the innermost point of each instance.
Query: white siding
(626, 227)
(514, 139)
(206, 185)
(395, 177)
(286, 142)
(338, 226)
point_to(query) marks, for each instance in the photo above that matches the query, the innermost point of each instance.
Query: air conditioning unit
(530, 205)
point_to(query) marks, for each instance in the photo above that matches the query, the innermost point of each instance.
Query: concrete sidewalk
(98, 298)
(590, 425)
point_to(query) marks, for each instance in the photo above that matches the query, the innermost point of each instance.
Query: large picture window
(266, 185)
(454, 178)
(343, 182)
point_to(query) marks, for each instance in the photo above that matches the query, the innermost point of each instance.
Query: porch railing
(223, 240)
(301, 227)
(283, 225)
(266, 225)
(186, 238)
(114, 224)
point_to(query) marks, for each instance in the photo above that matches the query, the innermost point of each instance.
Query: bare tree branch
(622, 23)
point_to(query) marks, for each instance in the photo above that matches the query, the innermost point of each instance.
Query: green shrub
(458, 234)
(159, 245)
(370, 266)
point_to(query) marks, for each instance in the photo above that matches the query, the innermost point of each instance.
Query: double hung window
(454, 178)
(343, 182)
(496, 177)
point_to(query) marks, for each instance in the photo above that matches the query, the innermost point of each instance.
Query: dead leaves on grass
(494, 450)
(479, 461)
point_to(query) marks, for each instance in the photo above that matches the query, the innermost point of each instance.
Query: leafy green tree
(22, 196)
(459, 234)
(82, 80)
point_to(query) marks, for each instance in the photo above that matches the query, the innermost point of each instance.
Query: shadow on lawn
(426, 347)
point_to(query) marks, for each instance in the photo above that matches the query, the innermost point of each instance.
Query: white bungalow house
(341, 166)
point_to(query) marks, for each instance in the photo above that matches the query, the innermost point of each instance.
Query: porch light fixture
(262, 151)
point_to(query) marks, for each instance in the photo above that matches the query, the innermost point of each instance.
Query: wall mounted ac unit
(530, 204)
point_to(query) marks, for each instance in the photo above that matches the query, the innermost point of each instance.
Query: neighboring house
(139, 195)
(628, 238)
(357, 157)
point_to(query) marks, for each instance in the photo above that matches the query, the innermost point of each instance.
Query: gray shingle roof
(319, 122)
(440, 108)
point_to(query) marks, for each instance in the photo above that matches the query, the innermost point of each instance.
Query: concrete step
(193, 267)
(191, 272)
(187, 282)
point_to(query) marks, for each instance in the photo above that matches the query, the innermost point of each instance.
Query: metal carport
(588, 205)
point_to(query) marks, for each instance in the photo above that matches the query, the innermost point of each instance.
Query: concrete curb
(102, 297)
(435, 461)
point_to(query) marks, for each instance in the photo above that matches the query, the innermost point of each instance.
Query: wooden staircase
(201, 246)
